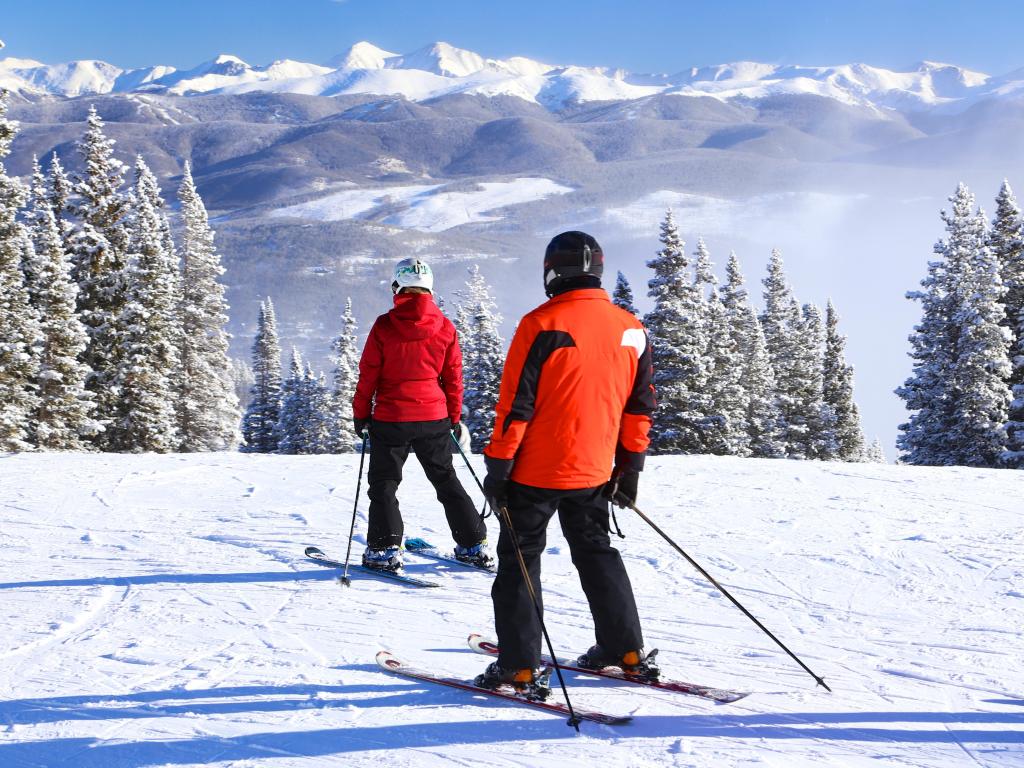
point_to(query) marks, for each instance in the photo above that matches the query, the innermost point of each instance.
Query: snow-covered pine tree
(36, 193)
(259, 425)
(207, 406)
(1014, 455)
(99, 249)
(703, 270)
(242, 379)
(764, 422)
(1007, 244)
(483, 361)
(838, 391)
(622, 295)
(874, 453)
(321, 410)
(19, 325)
(342, 437)
(149, 330)
(782, 326)
(982, 366)
(293, 424)
(957, 391)
(740, 325)
(59, 190)
(63, 416)
(820, 419)
(724, 424)
(678, 343)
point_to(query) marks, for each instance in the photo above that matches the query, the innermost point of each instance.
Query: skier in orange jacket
(570, 434)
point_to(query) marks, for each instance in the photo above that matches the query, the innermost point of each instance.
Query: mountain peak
(362, 55)
(444, 59)
(227, 58)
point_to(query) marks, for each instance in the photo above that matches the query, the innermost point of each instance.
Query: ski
(390, 663)
(480, 644)
(426, 549)
(317, 556)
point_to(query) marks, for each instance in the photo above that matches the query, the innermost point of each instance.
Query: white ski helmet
(412, 273)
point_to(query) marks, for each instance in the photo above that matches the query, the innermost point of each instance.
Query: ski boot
(389, 559)
(632, 663)
(478, 555)
(534, 684)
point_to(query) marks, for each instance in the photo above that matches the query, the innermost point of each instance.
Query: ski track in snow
(157, 610)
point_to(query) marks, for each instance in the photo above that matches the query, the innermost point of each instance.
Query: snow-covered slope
(157, 610)
(441, 68)
(427, 208)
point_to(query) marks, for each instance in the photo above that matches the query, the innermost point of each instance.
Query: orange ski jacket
(576, 394)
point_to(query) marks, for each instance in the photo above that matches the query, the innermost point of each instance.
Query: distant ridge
(441, 69)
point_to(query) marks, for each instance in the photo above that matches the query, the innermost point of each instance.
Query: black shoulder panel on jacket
(526, 392)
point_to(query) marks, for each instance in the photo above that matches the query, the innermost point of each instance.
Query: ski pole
(345, 580)
(465, 458)
(505, 517)
(723, 590)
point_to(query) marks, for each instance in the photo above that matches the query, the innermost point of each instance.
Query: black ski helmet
(571, 255)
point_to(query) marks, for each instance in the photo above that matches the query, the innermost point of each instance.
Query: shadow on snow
(319, 574)
(88, 752)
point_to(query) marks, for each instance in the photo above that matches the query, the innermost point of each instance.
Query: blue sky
(638, 35)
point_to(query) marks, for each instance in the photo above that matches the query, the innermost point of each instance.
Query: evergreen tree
(874, 454)
(59, 189)
(320, 429)
(482, 361)
(982, 365)
(207, 406)
(703, 270)
(957, 392)
(20, 334)
(764, 421)
(818, 416)
(838, 391)
(294, 421)
(99, 249)
(342, 437)
(782, 326)
(723, 427)
(259, 425)
(740, 325)
(63, 415)
(622, 296)
(678, 343)
(242, 379)
(1007, 244)
(149, 330)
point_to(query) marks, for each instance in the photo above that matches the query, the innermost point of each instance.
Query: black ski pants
(583, 515)
(431, 441)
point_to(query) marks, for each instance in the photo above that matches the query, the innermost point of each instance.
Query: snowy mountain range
(441, 69)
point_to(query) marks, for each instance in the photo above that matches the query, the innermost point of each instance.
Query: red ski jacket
(576, 394)
(411, 368)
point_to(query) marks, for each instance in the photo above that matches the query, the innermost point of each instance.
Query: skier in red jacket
(409, 395)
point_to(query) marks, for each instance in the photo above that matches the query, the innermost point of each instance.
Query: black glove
(496, 481)
(361, 425)
(621, 489)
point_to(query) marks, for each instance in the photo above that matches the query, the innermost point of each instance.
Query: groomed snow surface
(157, 610)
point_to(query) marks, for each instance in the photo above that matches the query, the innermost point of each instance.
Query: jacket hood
(415, 316)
